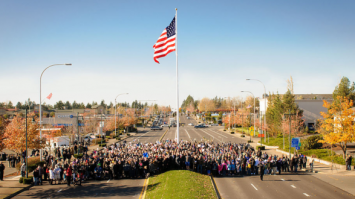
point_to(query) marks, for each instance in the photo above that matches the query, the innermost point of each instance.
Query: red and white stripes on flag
(166, 42)
(49, 96)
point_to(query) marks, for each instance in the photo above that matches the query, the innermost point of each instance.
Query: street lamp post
(254, 107)
(40, 105)
(289, 114)
(264, 96)
(26, 148)
(116, 110)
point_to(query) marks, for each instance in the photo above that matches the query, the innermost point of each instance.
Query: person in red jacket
(68, 173)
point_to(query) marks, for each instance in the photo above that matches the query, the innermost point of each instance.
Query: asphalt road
(286, 185)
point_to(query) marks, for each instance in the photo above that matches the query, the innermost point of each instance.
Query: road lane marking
(282, 179)
(188, 134)
(218, 133)
(59, 190)
(306, 194)
(108, 180)
(254, 187)
(293, 186)
(197, 133)
(211, 135)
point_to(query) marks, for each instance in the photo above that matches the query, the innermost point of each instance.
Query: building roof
(96, 106)
(314, 96)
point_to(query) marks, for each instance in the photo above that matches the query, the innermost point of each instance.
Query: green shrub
(33, 163)
(97, 140)
(27, 180)
(80, 155)
(118, 138)
(128, 134)
(108, 137)
(232, 132)
(224, 129)
(260, 147)
(102, 145)
(312, 142)
(250, 141)
(20, 180)
(242, 135)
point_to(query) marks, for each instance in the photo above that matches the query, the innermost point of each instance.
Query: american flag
(49, 96)
(166, 42)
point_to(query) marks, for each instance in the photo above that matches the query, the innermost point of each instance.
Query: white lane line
(306, 194)
(211, 135)
(218, 133)
(108, 180)
(59, 190)
(197, 134)
(188, 134)
(282, 179)
(293, 186)
(144, 134)
(254, 187)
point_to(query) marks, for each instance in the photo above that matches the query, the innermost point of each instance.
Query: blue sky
(221, 43)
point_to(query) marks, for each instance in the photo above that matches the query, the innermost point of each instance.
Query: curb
(163, 135)
(215, 188)
(18, 192)
(144, 189)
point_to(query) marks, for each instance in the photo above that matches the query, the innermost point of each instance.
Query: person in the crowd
(2, 170)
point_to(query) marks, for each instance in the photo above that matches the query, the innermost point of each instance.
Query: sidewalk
(335, 176)
(11, 187)
(8, 170)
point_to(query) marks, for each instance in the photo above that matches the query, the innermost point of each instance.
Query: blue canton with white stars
(170, 30)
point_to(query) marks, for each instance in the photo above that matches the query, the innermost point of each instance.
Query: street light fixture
(116, 110)
(40, 103)
(264, 97)
(254, 108)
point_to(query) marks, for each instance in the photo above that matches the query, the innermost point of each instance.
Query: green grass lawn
(244, 129)
(323, 154)
(180, 184)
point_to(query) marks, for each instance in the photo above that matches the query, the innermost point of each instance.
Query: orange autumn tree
(3, 124)
(15, 134)
(338, 123)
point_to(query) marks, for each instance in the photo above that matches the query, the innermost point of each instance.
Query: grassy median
(180, 184)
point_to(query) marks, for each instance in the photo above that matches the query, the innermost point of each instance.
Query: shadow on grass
(152, 186)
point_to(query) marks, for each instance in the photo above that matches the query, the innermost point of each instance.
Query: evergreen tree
(93, 103)
(59, 105)
(68, 105)
(19, 105)
(103, 103)
(88, 105)
(344, 89)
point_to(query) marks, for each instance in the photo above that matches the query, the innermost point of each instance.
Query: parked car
(190, 124)
(164, 125)
(214, 124)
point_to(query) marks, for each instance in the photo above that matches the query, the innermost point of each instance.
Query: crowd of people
(139, 160)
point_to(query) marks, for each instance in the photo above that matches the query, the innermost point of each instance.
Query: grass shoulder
(180, 184)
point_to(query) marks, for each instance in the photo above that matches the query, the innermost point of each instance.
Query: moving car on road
(201, 126)
(156, 128)
(190, 124)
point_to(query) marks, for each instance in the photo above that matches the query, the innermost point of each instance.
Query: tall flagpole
(177, 79)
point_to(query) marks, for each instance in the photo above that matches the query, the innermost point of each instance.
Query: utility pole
(101, 128)
(289, 114)
(26, 148)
